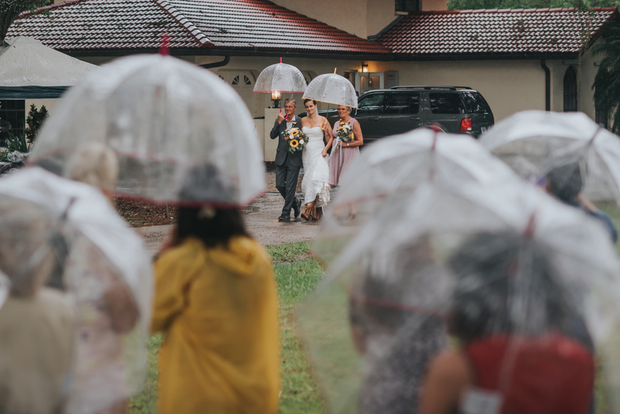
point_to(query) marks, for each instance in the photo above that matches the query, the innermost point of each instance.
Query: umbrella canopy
(396, 167)
(181, 133)
(382, 308)
(533, 143)
(102, 259)
(280, 77)
(30, 70)
(332, 88)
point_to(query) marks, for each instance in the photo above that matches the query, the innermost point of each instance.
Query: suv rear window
(403, 103)
(475, 103)
(446, 103)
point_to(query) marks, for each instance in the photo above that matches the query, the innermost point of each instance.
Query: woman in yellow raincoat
(216, 301)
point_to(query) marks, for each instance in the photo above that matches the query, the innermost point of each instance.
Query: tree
(10, 9)
(607, 80)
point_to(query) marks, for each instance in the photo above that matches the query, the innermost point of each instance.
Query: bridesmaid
(344, 152)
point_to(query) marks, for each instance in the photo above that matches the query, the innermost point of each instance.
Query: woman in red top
(521, 352)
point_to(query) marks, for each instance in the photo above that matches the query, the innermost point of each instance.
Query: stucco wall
(49, 104)
(347, 15)
(362, 18)
(431, 5)
(310, 67)
(380, 14)
(587, 73)
(509, 86)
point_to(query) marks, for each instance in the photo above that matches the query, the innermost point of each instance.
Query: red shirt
(551, 374)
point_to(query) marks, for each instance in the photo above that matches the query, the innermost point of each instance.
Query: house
(518, 59)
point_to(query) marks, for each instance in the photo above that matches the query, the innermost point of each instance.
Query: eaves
(482, 56)
(214, 51)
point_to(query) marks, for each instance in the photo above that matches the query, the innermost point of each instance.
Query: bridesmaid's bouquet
(296, 139)
(344, 132)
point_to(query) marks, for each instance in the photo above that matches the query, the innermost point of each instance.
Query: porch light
(275, 97)
(365, 67)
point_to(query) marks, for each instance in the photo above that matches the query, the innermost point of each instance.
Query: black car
(384, 112)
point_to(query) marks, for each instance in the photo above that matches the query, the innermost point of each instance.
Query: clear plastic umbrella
(102, 265)
(395, 167)
(379, 317)
(280, 77)
(535, 142)
(333, 89)
(170, 122)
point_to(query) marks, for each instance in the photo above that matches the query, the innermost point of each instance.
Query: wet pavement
(261, 219)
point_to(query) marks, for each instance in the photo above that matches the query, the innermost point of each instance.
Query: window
(370, 104)
(446, 103)
(475, 103)
(570, 90)
(12, 116)
(403, 103)
(601, 117)
(407, 6)
(246, 80)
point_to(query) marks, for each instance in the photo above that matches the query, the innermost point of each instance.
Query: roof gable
(497, 32)
(262, 24)
(82, 25)
(106, 24)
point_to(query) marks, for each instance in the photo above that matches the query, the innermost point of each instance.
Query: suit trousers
(286, 183)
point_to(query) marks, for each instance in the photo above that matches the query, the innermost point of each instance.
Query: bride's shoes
(307, 213)
(312, 212)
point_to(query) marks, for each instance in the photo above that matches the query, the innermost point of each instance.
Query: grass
(146, 401)
(297, 275)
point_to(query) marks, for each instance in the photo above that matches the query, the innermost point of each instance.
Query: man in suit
(287, 164)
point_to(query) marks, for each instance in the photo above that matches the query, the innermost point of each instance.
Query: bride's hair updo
(308, 100)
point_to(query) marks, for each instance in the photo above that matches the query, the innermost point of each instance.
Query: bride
(315, 184)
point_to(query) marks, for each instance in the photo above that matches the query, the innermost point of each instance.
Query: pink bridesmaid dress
(341, 156)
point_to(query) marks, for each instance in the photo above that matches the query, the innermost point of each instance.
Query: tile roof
(82, 25)
(497, 32)
(262, 24)
(106, 24)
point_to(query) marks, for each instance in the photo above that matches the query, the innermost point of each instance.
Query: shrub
(17, 142)
(34, 121)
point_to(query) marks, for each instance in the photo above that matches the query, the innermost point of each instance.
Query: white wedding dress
(316, 169)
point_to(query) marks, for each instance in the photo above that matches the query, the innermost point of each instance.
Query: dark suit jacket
(282, 153)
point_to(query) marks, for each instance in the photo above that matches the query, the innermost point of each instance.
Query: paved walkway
(261, 220)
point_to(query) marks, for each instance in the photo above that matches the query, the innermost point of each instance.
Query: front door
(369, 81)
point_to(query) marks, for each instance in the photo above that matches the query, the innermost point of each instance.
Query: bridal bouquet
(296, 139)
(345, 132)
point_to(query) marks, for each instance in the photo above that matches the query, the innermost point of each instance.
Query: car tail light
(466, 124)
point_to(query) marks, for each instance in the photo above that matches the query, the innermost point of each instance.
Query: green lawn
(297, 275)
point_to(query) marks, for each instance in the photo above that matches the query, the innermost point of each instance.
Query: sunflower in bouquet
(296, 139)
(345, 132)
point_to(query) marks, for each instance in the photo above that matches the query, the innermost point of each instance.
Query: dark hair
(494, 272)
(308, 100)
(212, 226)
(565, 182)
